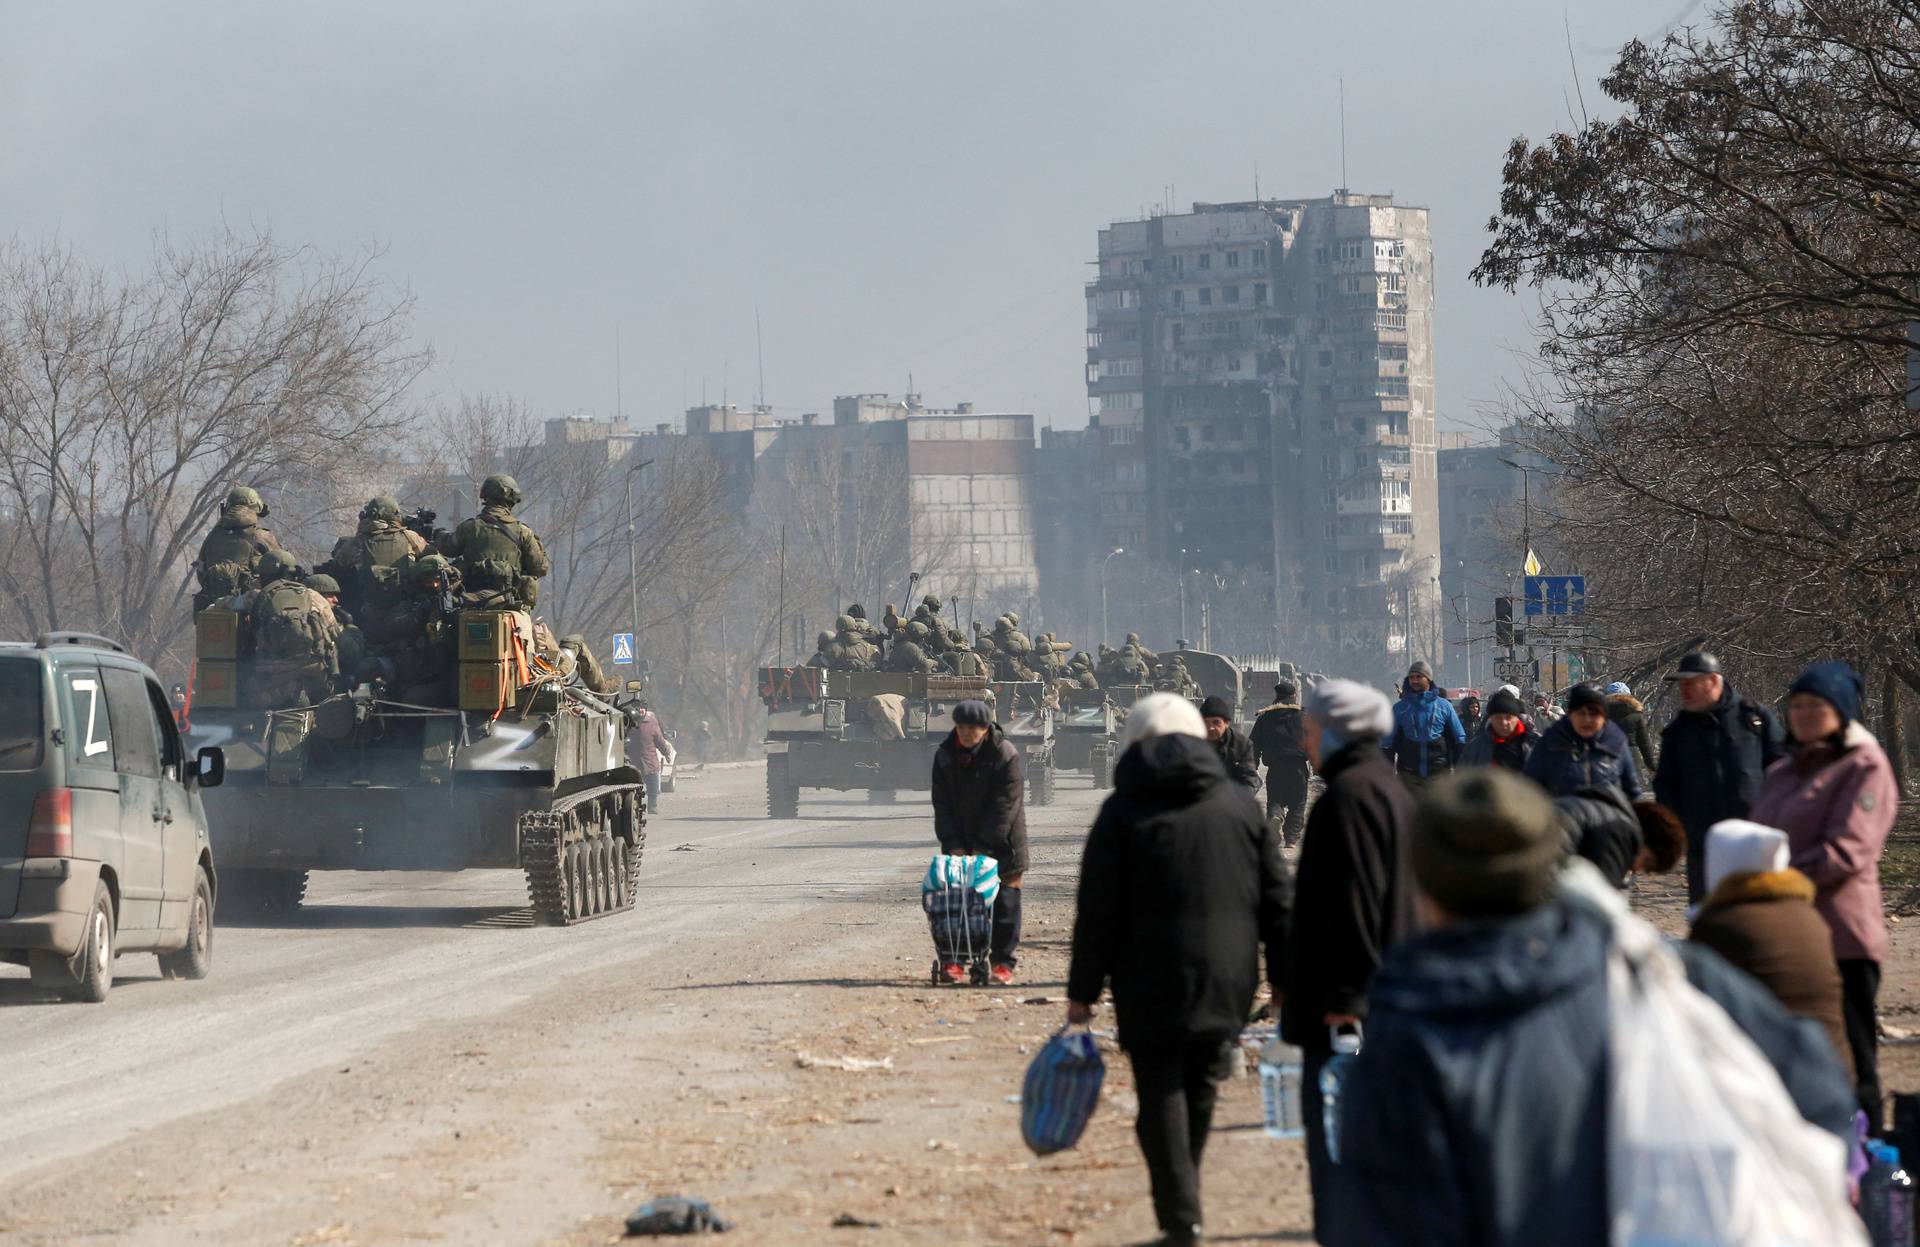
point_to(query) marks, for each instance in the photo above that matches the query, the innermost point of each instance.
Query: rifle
(420, 520)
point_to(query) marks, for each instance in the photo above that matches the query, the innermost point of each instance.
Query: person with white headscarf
(1181, 884)
(1355, 896)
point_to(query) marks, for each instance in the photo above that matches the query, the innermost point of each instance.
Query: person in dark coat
(980, 807)
(1278, 740)
(1181, 885)
(1504, 739)
(1759, 915)
(1712, 757)
(1236, 751)
(1583, 750)
(1425, 738)
(1477, 1112)
(1627, 714)
(1355, 897)
(1601, 827)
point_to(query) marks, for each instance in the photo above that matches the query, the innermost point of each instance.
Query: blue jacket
(1566, 763)
(1476, 1115)
(1427, 735)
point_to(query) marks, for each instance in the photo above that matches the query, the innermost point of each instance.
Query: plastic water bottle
(1346, 1048)
(1282, 1073)
(1886, 1197)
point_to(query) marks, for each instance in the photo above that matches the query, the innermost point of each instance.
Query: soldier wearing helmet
(825, 651)
(910, 651)
(855, 653)
(229, 561)
(584, 664)
(364, 562)
(293, 637)
(501, 560)
(416, 637)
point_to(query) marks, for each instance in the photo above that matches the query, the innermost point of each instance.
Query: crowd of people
(1457, 901)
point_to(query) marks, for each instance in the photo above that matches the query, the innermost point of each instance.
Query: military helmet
(823, 640)
(1133, 638)
(956, 637)
(245, 496)
(1013, 619)
(857, 611)
(844, 623)
(500, 488)
(380, 507)
(931, 602)
(277, 565)
(431, 565)
(917, 630)
(323, 584)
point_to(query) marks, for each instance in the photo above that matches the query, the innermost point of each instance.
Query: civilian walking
(1759, 915)
(647, 748)
(1712, 757)
(1278, 739)
(1583, 750)
(1425, 737)
(1627, 714)
(1478, 1111)
(1181, 884)
(1836, 799)
(980, 808)
(1236, 751)
(1354, 899)
(1504, 740)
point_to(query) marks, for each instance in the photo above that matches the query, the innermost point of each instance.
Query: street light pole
(1106, 633)
(633, 542)
(1183, 595)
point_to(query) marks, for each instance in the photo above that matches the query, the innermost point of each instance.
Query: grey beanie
(1420, 667)
(1350, 710)
(1486, 842)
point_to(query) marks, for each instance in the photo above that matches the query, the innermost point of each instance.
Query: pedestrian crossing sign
(623, 649)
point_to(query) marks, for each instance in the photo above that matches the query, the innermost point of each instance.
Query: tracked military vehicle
(875, 731)
(525, 771)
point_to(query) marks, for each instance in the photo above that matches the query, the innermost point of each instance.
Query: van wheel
(196, 958)
(92, 966)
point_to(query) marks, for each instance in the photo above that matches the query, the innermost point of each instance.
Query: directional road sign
(1556, 595)
(623, 648)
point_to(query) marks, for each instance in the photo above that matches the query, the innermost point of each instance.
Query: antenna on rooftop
(1343, 133)
(616, 371)
(759, 359)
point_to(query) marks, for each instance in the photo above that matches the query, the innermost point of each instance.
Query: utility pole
(1106, 633)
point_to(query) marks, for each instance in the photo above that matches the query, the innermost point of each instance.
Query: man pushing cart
(979, 811)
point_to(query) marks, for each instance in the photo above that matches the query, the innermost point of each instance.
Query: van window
(89, 740)
(23, 728)
(172, 753)
(136, 737)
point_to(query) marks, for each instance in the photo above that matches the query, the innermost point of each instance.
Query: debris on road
(676, 1214)
(852, 1064)
(847, 1221)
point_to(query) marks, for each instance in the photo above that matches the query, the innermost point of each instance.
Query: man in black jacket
(980, 807)
(1712, 757)
(1181, 884)
(1355, 894)
(1278, 741)
(1236, 751)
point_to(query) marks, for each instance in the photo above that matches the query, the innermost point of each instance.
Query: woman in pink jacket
(1835, 797)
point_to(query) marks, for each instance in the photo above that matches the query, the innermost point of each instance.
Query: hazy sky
(897, 187)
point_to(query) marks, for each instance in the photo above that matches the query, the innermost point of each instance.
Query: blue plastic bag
(1061, 1090)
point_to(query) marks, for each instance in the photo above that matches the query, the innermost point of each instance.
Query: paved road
(377, 955)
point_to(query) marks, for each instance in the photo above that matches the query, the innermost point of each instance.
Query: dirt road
(412, 1062)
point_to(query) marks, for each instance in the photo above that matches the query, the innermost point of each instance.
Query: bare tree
(129, 406)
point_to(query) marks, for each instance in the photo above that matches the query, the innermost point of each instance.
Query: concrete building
(1484, 496)
(1263, 380)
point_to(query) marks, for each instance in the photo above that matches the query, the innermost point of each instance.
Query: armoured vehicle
(1216, 674)
(1087, 735)
(875, 731)
(528, 771)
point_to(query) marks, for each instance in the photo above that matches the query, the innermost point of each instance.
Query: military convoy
(852, 731)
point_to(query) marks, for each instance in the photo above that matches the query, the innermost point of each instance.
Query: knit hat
(1284, 692)
(1505, 702)
(1216, 707)
(1348, 711)
(1486, 842)
(1736, 846)
(1619, 688)
(1420, 667)
(1837, 683)
(1160, 714)
(1514, 689)
(972, 713)
(1585, 695)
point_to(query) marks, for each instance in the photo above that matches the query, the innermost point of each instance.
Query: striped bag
(1062, 1088)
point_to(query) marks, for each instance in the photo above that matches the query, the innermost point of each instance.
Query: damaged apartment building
(1262, 384)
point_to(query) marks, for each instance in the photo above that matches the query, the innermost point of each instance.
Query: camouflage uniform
(230, 555)
(417, 637)
(586, 666)
(854, 651)
(960, 660)
(1175, 679)
(295, 638)
(910, 654)
(825, 650)
(499, 557)
(381, 542)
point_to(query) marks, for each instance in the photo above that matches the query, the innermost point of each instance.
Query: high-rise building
(1262, 374)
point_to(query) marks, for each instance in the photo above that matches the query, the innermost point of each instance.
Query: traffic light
(1503, 621)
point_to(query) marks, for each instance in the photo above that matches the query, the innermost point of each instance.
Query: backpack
(286, 625)
(223, 580)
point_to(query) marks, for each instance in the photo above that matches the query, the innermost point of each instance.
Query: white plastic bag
(1705, 1146)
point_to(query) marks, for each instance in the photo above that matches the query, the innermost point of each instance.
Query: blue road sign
(1556, 595)
(623, 648)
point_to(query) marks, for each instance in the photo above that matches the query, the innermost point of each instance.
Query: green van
(103, 843)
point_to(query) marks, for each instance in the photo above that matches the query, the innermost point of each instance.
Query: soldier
(417, 635)
(910, 653)
(929, 611)
(499, 557)
(1278, 739)
(1007, 634)
(1081, 671)
(295, 635)
(960, 660)
(824, 651)
(362, 561)
(229, 561)
(1174, 678)
(858, 614)
(350, 645)
(855, 653)
(586, 665)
